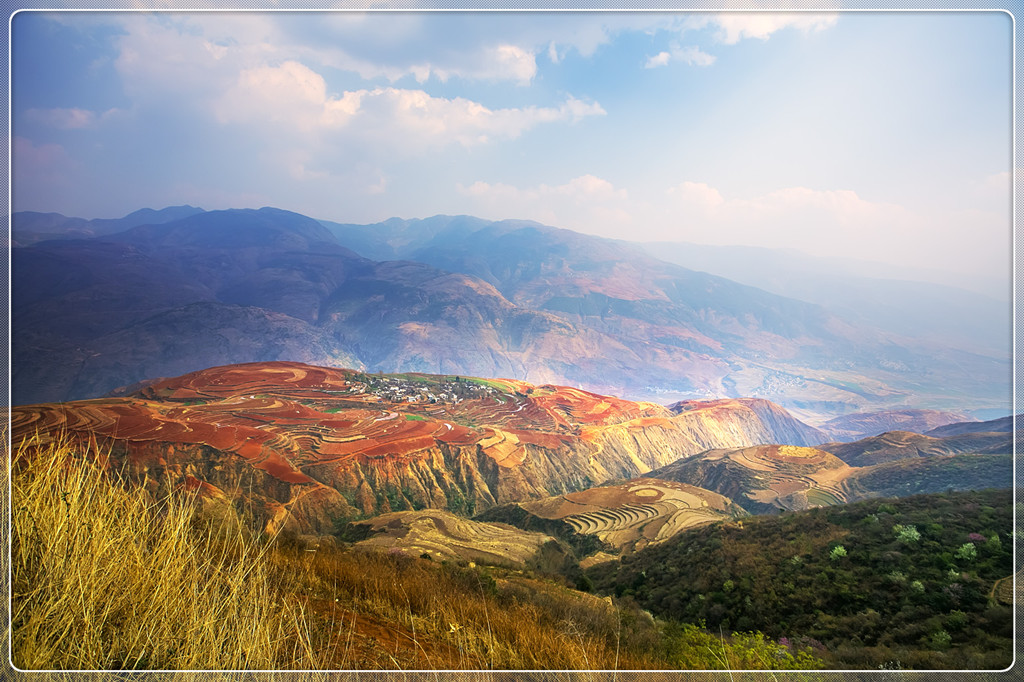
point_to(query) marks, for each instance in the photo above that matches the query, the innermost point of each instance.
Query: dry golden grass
(461, 618)
(104, 577)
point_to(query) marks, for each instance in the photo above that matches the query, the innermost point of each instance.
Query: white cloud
(793, 209)
(64, 119)
(497, 63)
(830, 222)
(736, 26)
(581, 189)
(294, 96)
(697, 196)
(660, 59)
(996, 185)
(553, 55)
(693, 56)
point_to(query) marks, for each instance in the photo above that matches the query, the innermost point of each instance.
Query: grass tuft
(106, 577)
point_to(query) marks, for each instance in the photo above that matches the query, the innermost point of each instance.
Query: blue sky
(883, 136)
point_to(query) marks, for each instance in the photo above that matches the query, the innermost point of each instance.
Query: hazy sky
(883, 136)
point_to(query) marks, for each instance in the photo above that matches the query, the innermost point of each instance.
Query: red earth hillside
(309, 446)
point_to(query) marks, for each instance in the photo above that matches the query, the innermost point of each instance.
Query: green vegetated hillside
(918, 476)
(903, 583)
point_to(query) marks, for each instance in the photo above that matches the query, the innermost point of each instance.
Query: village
(396, 389)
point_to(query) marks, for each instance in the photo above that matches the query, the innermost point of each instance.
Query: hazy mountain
(1001, 425)
(398, 239)
(790, 351)
(465, 296)
(916, 303)
(92, 315)
(863, 424)
(30, 227)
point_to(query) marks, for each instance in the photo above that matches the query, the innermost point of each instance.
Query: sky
(879, 136)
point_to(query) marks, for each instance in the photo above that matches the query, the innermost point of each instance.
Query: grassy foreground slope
(907, 583)
(110, 576)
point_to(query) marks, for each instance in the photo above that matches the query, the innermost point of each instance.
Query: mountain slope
(899, 445)
(863, 424)
(902, 587)
(625, 516)
(306, 446)
(740, 340)
(1001, 425)
(765, 478)
(241, 286)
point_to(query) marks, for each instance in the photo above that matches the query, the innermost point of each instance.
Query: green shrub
(906, 534)
(967, 552)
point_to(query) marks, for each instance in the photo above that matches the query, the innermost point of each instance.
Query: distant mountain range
(863, 424)
(30, 227)
(160, 293)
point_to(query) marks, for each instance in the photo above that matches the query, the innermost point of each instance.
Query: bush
(906, 534)
(692, 648)
(967, 552)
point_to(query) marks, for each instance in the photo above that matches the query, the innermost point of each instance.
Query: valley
(305, 449)
(335, 391)
(497, 476)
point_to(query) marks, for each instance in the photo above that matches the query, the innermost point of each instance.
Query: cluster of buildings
(397, 390)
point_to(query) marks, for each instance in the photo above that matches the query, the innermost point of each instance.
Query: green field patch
(496, 385)
(821, 498)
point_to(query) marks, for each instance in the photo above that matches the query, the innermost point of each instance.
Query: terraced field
(304, 447)
(307, 445)
(634, 514)
(283, 416)
(443, 535)
(767, 477)
(1003, 590)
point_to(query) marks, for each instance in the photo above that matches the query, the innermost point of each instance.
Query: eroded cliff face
(302, 447)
